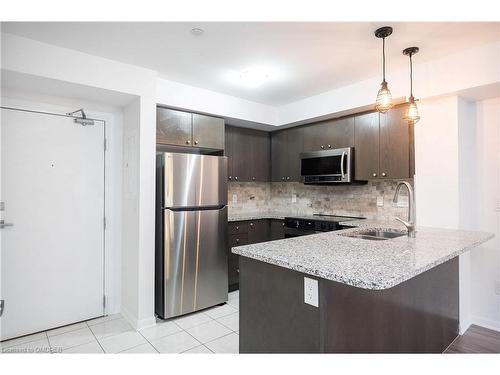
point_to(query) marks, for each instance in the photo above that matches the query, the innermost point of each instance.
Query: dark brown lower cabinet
(419, 315)
(245, 233)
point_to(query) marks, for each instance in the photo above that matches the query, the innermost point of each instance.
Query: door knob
(374, 175)
(383, 174)
(188, 142)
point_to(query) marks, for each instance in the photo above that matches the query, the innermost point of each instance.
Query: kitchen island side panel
(273, 315)
(420, 315)
(416, 316)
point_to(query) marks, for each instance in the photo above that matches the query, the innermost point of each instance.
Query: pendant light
(384, 96)
(411, 113)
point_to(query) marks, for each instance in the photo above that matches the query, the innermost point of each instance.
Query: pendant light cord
(383, 58)
(411, 76)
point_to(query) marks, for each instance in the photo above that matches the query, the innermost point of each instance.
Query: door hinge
(2, 305)
(104, 223)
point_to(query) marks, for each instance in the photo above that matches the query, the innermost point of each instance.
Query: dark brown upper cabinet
(249, 154)
(180, 128)
(208, 132)
(366, 146)
(394, 144)
(173, 127)
(382, 145)
(329, 134)
(286, 146)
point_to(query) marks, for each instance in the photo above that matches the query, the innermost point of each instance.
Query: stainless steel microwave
(327, 166)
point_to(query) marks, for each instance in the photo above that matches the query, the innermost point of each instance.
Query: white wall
(485, 261)
(457, 186)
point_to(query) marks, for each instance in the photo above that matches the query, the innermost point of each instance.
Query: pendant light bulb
(411, 114)
(384, 99)
(383, 102)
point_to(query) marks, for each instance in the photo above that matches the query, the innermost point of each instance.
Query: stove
(310, 224)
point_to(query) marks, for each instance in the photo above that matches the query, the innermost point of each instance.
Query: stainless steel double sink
(376, 234)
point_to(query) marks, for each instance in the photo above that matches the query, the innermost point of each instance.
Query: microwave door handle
(342, 165)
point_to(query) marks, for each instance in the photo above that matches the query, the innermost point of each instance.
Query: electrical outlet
(235, 198)
(311, 291)
(380, 201)
(294, 198)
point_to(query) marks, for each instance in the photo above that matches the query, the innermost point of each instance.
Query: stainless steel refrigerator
(191, 233)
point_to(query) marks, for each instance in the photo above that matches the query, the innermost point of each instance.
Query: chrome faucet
(412, 220)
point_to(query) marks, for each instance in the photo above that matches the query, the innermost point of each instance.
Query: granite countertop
(363, 263)
(255, 216)
(281, 215)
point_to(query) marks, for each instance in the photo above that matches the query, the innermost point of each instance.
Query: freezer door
(194, 180)
(195, 260)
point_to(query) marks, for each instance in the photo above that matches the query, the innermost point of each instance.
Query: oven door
(328, 166)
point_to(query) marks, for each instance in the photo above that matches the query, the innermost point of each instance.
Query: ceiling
(301, 59)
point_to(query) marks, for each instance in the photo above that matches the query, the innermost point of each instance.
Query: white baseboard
(137, 323)
(486, 323)
(464, 326)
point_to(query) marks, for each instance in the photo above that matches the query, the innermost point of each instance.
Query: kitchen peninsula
(392, 295)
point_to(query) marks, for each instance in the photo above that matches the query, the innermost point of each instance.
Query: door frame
(104, 142)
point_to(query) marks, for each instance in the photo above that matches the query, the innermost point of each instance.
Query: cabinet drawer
(239, 227)
(238, 240)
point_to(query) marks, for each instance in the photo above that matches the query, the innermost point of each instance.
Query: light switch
(311, 291)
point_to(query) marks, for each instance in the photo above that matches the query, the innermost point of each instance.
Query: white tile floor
(213, 330)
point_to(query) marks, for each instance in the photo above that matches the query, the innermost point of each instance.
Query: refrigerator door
(195, 260)
(194, 180)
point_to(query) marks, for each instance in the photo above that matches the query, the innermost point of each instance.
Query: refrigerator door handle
(195, 208)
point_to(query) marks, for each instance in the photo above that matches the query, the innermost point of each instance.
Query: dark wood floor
(476, 340)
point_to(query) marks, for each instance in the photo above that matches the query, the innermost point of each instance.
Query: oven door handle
(342, 165)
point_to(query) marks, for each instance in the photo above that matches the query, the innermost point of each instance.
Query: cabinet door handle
(283, 178)
(237, 240)
(188, 142)
(196, 142)
(251, 224)
(329, 146)
(383, 174)
(230, 177)
(237, 228)
(322, 147)
(253, 178)
(236, 178)
(374, 175)
(288, 178)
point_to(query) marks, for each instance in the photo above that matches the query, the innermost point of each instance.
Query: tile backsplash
(297, 198)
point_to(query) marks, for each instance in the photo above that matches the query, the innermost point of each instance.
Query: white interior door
(52, 258)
